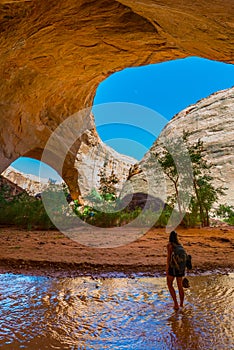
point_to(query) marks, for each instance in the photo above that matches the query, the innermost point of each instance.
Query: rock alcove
(54, 54)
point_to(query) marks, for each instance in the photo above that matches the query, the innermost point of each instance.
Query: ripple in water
(114, 313)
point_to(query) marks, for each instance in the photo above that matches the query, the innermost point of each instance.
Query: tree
(226, 212)
(176, 166)
(108, 184)
(204, 193)
(206, 196)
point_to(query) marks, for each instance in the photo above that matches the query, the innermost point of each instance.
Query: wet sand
(50, 253)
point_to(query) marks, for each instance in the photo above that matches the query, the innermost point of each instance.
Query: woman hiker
(176, 264)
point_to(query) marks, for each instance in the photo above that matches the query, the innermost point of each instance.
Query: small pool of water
(115, 313)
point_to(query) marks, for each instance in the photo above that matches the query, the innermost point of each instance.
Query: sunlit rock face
(93, 157)
(212, 121)
(9, 189)
(30, 183)
(53, 55)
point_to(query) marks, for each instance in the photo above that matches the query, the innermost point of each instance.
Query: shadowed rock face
(141, 200)
(53, 55)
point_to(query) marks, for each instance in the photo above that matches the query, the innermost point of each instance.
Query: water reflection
(114, 313)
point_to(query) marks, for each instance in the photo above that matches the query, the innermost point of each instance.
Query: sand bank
(51, 253)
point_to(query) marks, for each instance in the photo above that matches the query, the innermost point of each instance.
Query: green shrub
(226, 213)
(24, 211)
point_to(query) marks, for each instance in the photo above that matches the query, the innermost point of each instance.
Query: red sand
(52, 253)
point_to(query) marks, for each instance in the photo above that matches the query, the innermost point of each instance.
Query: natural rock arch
(54, 54)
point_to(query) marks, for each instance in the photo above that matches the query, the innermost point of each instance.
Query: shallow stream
(115, 313)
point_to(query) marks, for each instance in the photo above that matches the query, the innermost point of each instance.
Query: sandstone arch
(53, 55)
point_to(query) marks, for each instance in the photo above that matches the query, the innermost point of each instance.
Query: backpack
(178, 258)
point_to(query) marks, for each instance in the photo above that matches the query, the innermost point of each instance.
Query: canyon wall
(212, 121)
(91, 158)
(30, 183)
(9, 189)
(94, 157)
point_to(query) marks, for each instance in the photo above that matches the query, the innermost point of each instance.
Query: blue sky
(167, 87)
(164, 89)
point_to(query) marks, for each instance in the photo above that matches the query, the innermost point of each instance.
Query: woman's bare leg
(170, 280)
(181, 290)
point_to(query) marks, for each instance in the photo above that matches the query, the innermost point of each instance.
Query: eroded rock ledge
(53, 55)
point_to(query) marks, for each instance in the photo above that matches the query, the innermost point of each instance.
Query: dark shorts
(175, 273)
